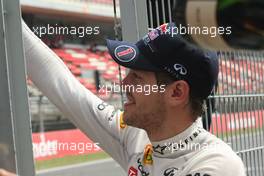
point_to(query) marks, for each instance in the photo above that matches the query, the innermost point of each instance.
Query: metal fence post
(15, 128)
(134, 19)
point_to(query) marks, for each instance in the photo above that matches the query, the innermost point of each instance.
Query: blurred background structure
(235, 111)
(15, 131)
(85, 55)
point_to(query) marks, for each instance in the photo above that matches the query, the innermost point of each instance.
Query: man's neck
(170, 127)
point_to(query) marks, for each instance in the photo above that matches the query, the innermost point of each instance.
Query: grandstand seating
(243, 76)
(235, 76)
(238, 75)
(80, 60)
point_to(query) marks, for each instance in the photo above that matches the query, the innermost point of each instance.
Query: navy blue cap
(163, 50)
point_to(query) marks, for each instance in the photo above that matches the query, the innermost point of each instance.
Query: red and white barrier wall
(56, 144)
(222, 123)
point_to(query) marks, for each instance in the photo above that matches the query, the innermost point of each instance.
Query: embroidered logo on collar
(125, 53)
(160, 149)
(198, 174)
(186, 141)
(171, 147)
(148, 154)
(132, 171)
(141, 168)
(170, 171)
(122, 123)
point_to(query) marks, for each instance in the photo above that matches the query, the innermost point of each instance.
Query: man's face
(145, 106)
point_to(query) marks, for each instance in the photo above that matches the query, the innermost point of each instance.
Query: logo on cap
(125, 53)
(180, 69)
(164, 28)
(153, 34)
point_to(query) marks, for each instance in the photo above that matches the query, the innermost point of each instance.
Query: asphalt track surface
(251, 145)
(98, 168)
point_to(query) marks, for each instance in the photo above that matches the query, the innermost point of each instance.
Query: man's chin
(129, 107)
(131, 120)
(128, 118)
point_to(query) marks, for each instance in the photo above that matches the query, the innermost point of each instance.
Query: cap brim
(128, 55)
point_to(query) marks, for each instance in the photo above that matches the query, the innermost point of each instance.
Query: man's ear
(177, 93)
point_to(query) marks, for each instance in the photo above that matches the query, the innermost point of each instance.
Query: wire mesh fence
(236, 109)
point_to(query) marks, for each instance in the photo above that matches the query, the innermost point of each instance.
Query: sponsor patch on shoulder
(132, 171)
(148, 154)
(122, 123)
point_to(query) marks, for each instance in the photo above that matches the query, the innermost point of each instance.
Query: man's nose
(126, 82)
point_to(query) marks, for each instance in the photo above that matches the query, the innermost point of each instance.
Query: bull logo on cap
(180, 69)
(164, 28)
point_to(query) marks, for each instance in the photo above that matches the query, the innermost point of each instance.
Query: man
(157, 134)
(4, 172)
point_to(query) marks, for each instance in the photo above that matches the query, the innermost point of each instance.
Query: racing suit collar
(188, 140)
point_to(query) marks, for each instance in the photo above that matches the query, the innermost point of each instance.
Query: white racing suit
(194, 152)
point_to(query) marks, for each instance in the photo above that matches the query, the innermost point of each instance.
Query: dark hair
(197, 104)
